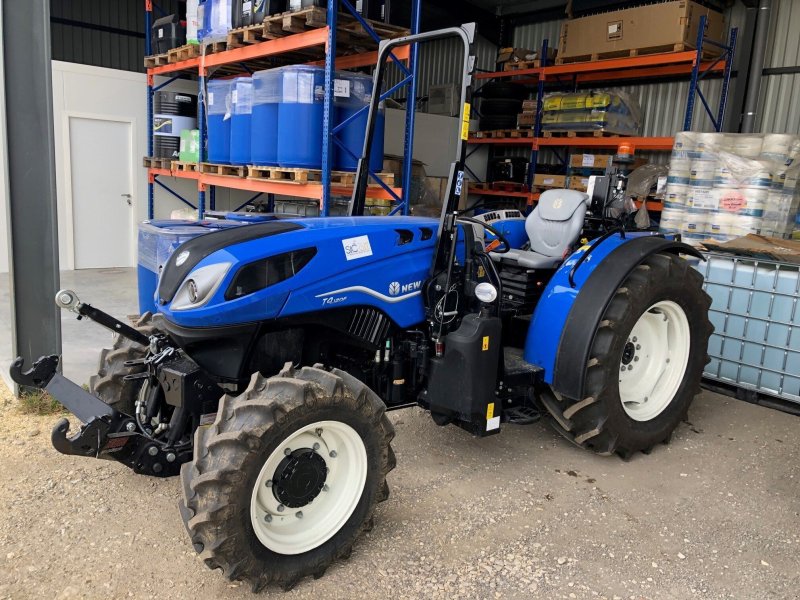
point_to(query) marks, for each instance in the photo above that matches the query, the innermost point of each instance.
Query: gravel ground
(519, 515)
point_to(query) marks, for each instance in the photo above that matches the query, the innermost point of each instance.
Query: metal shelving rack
(650, 66)
(322, 36)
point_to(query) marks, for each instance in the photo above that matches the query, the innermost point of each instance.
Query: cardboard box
(515, 55)
(663, 26)
(577, 182)
(758, 246)
(529, 106)
(590, 161)
(546, 180)
(526, 120)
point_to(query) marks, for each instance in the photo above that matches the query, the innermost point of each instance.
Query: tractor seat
(553, 228)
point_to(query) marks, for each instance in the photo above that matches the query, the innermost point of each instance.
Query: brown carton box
(549, 181)
(590, 161)
(526, 120)
(664, 26)
(577, 182)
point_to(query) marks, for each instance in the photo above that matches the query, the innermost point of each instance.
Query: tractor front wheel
(288, 476)
(646, 361)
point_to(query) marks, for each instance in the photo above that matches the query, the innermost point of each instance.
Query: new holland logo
(397, 288)
(394, 288)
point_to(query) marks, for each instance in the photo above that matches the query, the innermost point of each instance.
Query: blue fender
(567, 316)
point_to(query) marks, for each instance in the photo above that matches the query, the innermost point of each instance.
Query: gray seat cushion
(553, 227)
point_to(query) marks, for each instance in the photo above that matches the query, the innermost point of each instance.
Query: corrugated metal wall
(780, 109)
(117, 39)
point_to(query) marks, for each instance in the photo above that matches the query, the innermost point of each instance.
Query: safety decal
(465, 122)
(485, 345)
(357, 247)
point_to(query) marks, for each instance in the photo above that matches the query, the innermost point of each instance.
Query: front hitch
(106, 432)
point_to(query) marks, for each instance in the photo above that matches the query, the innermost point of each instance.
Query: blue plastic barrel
(158, 239)
(218, 103)
(264, 117)
(300, 117)
(241, 109)
(352, 92)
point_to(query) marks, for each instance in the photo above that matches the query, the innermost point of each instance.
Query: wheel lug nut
(667, 361)
(299, 514)
(152, 450)
(635, 358)
(269, 483)
(287, 451)
(315, 446)
(268, 518)
(281, 507)
(630, 367)
(622, 368)
(332, 454)
(638, 346)
(646, 398)
(131, 426)
(170, 457)
(634, 339)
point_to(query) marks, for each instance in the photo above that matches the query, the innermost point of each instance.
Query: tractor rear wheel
(109, 384)
(288, 476)
(645, 364)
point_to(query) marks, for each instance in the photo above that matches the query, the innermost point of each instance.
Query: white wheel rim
(287, 530)
(654, 360)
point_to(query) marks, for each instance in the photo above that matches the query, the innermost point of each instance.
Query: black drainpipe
(756, 66)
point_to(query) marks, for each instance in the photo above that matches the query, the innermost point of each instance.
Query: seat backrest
(556, 222)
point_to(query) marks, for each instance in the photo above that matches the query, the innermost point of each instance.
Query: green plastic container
(190, 146)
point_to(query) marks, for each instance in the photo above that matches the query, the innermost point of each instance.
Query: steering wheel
(506, 246)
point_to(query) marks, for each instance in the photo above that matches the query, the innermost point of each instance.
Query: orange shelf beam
(363, 60)
(663, 64)
(281, 45)
(636, 143)
(282, 188)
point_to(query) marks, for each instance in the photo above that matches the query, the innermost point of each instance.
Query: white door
(102, 193)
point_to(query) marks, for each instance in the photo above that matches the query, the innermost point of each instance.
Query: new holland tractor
(265, 378)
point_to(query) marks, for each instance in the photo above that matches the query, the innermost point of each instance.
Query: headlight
(199, 286)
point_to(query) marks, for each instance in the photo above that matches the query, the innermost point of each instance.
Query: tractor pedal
(136, 362)
(523, 415)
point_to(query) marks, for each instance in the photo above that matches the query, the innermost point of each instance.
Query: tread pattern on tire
(224, 449)
(109, 383)
(585, 422)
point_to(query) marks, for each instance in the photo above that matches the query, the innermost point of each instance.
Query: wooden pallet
(598, 133)
(154, 162)
(184, 167)
(184, 52)
(505, 133)
(304, 176)
(156, 60)
(213, 47)
(563, 60)
(226, 170)
(523, 64)
(252, 34)
(286, 23)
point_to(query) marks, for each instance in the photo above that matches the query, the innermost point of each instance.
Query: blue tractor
(265, 378)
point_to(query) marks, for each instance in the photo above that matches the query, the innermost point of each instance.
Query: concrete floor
(112, 290)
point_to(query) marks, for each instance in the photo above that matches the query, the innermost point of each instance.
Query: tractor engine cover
(462, 382)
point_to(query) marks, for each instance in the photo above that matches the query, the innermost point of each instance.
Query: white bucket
(743, 226)
(671, 220)
(676, 195)
(748, 146)
(720, 227)
(679, 164)
(703, 171)
(684, 142)
(778, 143)
(709, 142)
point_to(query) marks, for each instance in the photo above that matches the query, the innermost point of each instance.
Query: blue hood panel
(366, 261)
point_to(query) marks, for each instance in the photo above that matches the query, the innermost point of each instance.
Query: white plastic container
(671, 220)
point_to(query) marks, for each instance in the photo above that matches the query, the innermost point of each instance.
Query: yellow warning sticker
(485, 346)
(490, 410)
(465, 122)
(481, 271)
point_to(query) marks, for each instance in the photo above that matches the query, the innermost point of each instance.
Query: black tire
(503, 89)
(109, 383)
(599, 422)
(500, 107)
(498, 122)
(228, 457)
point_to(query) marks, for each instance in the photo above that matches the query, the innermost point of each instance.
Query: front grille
(370, 325)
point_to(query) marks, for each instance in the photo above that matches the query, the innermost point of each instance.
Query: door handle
(127, 198)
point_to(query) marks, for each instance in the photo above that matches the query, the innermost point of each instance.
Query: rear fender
(567, 316)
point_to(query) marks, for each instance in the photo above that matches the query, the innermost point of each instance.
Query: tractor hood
(286, 267)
